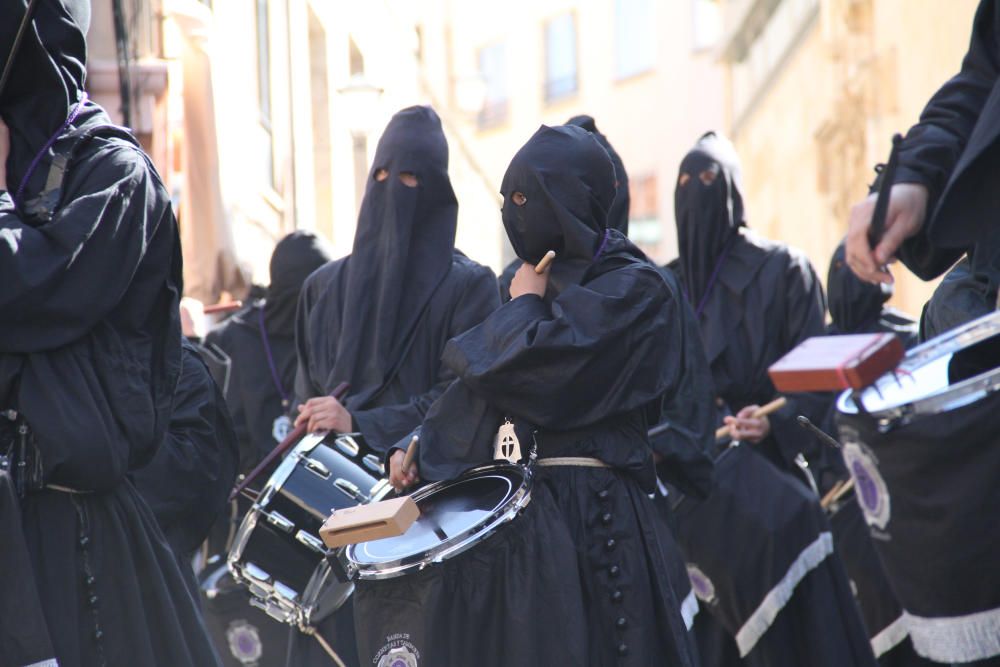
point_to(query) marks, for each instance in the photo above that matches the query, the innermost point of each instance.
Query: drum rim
(943, 399)
(519, 499)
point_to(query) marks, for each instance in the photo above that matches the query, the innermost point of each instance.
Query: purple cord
(270, 359)
(48, 144)
(711, 281)
(604, 242)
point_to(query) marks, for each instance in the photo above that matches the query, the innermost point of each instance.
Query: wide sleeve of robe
(600, 349)
(188, 481)
(383, 426)
(933, 147)
(90, 342)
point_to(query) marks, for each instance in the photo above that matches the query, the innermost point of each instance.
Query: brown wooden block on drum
(364, 523)
(829, 363)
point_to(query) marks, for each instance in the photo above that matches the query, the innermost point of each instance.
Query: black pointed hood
(708, 208)
(854, 304)
(402, 250)
(47, 78)
(618, 215)
(295, 257)
(568, 181)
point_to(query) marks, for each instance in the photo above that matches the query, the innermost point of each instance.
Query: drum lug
(347, 445)
(373, 463)
(351, 489)
(311, 541)
(314, 466)
(280, 521)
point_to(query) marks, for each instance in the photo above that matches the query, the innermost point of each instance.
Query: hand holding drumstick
(532, 279)
(751, 423)
(402, 468)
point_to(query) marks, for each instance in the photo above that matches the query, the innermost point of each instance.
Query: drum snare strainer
(455, 516)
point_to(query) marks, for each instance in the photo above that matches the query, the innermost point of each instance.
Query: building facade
(815, 90)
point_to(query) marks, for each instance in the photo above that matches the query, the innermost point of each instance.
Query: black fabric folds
(618, 213)
(90, 357)
(187, 482)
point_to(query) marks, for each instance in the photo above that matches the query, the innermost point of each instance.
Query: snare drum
(923, 447)
(455, 516)
(277, 552)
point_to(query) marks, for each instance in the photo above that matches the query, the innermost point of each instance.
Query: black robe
(766, 301)
(96, 391)
(380, 317)
(187, 482)
(575, 369)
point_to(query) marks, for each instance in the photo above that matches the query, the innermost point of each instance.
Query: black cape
(187, 482)
(578, 367)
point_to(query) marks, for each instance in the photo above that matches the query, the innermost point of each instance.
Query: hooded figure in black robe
(756, 300)
(187, 482)
(90, 270)
(858, 307)
(379, 318)
(260, 342)
(575, 368)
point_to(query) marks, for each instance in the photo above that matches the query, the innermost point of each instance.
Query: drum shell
(938, 538)
(237, 629)
(745, 536)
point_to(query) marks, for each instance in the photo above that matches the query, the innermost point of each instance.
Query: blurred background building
(263, 115)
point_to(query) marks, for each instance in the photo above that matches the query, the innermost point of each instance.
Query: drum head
(453, 516)
(952, 370)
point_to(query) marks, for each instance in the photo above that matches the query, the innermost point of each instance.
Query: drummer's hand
(907, 210)
(526, 281)
(397, 479)
(324, 413)
(744, 426)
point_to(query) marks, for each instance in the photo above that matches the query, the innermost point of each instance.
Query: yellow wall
(862, 71)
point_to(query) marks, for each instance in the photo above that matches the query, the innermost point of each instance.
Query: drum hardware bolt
(348, 445)
(318, 468)
(351, 490)
(279, 521)
(311, 541)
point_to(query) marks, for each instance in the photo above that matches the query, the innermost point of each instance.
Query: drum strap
(577, 461)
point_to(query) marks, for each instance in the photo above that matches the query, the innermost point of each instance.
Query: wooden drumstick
(762, 411)
(839, 490)
(227, 307)
(544, 262)
(411, 453)
(290, 441)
